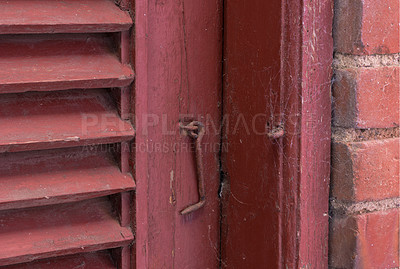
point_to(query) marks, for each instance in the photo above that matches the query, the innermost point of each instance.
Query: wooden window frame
(307, 49)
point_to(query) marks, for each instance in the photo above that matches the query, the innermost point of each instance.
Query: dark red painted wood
(278, 62)
(61, 16)
(95, 260)
(58, 62)
(29, 179)
(34, 120)
(49, 231)
(316, 58)
(42, 120)
(252, 99)
(178, 65)
(306, 171)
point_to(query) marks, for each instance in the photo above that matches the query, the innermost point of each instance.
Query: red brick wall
(365, 185)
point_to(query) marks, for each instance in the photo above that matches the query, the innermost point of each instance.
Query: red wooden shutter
(65, 181)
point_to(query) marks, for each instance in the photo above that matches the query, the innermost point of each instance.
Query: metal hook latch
(196, 131)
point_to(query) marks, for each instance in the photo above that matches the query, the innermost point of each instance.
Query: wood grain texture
(277, 191)
(252, 102)
(58, 62)
(307, 63)
(45, 185)
(61, 16)
(44, 232)
(178, 65)
(37, 178)
(43, 120)
(94, 260)
(317, 51)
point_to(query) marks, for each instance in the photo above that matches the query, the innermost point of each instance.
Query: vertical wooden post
(125, 147)
(317, 56)
(178, 71)
(278, 57)
(125, 214)
(142, 158)
(125, 91)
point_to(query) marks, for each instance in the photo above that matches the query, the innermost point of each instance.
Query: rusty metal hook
(196, 131)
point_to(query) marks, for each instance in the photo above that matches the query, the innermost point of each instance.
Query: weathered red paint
(125, 105)
(62, 119)
(178, 66)
(278, 63)
(59, 62)
(94, 260)
(60, 230)
(37, 178)
(44, 175)
(62, 16)
(315, 137)
(252, 162)
(178, 53)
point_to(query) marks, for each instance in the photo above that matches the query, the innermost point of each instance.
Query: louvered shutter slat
(48, 63)
(96, 260)
(36, 120)
(61, 16)
(35, 233)
(65, 181)
(47, 177)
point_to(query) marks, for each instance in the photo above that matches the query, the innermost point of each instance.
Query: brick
(365, 171)
(365, 241)
(366, 97)
(366, 27)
